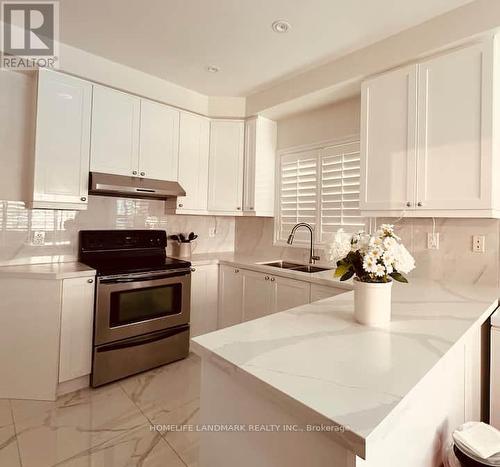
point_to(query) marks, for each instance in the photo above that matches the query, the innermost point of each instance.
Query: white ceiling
(177, 39)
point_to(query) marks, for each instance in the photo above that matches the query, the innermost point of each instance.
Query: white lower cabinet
(230, 296)
(495, 378)
(245, 295)
(289, 293)
(204, 288)
(258, 295)
(77, 317)
(320, 292)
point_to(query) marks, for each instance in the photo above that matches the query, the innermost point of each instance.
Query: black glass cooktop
(113, 252)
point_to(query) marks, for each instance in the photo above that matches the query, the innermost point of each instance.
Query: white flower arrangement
(371, 258)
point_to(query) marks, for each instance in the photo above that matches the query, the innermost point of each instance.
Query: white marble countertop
(46, 271)
(319, 360)
(254, 263)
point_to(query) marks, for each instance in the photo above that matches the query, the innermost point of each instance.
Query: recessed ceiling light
(281, 26)
(213, 69)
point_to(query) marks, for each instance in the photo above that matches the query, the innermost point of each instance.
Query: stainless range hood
(133, 187)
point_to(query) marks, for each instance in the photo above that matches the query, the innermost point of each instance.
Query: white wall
(336, 121)
(462, 24)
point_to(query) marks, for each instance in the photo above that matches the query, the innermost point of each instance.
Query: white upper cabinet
(159, 141)
(454, 130)
(225, 181)
(115, 132)
(62, 144)
(388, 132)
(193, 162)
(428, 134)
(260, 160)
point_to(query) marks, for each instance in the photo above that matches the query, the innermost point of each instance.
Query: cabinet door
(204, 295)
(388, 132)
(225, 190)
(257, 295)
(260, 160)
(289, 293)
(230, 296)
(495, 378)
(62, 144)
(159, 141)
(454, 140)
(77, 318)
(320, 292)
(115, 132)
(193, 161)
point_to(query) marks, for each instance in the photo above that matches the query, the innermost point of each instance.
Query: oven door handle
(141, 340)
(148, 277)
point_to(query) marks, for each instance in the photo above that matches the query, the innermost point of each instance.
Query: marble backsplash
(454, 260)
(20, 228)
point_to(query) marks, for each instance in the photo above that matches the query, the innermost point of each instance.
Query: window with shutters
(320, 187)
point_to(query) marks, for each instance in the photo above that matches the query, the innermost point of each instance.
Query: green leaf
(347, 275)
(399, 277)
(341, 269)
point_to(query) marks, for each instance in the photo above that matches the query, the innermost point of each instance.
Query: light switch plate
(478, 243)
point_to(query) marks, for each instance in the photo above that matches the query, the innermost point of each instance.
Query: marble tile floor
(108, 426)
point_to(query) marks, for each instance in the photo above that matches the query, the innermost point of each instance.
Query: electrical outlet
(38, 238)
(433, 241)
(478, 244)
(211, 232)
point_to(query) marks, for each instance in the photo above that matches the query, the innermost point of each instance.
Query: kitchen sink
(295, 267)
(310, 269)
(282, 265)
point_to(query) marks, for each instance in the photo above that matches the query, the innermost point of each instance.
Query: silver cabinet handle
(134, 172)
(408, 204)
(238, 208)
(420, 204)
(90, 281)
(143, 173)
(236, 270)
(181, 205)
(193, 269)
(266, 278)
(273, 279)
(83, 198)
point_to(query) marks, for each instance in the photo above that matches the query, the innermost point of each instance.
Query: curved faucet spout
(312, 256)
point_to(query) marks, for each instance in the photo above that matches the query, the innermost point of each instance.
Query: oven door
(128, 306)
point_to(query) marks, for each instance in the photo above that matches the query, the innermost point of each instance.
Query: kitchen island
(310, 386)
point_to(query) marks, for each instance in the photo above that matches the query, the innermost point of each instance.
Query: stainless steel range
(142, 304)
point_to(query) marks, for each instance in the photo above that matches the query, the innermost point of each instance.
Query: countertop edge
(353, 442)
(37, 272)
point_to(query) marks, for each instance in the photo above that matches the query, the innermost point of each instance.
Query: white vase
(372, 302)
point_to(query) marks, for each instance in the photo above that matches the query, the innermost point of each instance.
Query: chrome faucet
(312, 257)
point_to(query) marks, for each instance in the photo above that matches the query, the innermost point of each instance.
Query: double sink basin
(294, 266)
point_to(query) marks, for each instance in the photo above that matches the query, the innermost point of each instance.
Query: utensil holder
(183, 250)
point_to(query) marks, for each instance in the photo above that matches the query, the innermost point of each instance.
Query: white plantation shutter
(339, 190)
(320, 187)
(298, 192)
